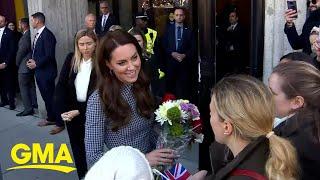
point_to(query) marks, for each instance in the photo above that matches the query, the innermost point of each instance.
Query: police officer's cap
(141, 15)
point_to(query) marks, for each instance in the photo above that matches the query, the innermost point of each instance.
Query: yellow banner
(20, 10)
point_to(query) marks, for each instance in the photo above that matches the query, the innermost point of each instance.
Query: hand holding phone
(292, 4)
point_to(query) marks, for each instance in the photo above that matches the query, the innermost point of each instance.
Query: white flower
(161, 112)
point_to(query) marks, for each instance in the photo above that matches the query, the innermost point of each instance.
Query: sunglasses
(311, 1)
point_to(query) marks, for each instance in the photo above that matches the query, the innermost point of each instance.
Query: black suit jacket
(7, 48)
(299, 131)
(235, 38)
(110, 21)
(44, 55)
(187, 48)
(24, 53)
(65, 94)
(169, 42)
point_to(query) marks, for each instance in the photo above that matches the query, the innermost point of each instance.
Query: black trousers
(8, 85)
(76, 130)
(178, 79)
(46, 87)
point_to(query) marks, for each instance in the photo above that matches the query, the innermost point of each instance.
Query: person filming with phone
(291, 14)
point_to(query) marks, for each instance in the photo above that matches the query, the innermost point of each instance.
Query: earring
(111, 72)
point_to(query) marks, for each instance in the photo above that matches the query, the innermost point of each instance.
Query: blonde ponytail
(282, 162)
(248, 104)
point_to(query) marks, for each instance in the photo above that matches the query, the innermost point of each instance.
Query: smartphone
(292, 4)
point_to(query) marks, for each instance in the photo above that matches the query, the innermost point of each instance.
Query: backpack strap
(248, 173)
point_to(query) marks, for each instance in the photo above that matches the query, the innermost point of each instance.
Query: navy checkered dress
(139, 133)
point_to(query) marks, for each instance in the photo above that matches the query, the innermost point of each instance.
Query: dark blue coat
(44, 55)
(169, 42)
(110, 21)
(178, 73)
(7, 47)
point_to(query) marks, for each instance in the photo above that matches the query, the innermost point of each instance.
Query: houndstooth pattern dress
(139, 133)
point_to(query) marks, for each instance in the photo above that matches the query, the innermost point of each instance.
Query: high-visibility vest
(150, 40)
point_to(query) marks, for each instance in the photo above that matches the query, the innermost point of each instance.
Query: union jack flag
(177, 172)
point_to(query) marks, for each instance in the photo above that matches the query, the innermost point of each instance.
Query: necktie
(34, 40)
(178, 45)
(34, 43)
(104, 20)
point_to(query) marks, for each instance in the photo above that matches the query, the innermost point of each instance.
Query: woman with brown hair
(76, 83)
(242, 114)
(296, 90)
(120, 111)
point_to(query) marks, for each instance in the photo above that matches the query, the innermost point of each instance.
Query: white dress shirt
(234, 26)
(104, 19)
(39, 31)
(1, 33)
(82, 80)
(278, 121)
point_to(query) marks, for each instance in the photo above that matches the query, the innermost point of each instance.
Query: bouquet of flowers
(180, 125)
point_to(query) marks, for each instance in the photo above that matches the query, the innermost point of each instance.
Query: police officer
(140, 23)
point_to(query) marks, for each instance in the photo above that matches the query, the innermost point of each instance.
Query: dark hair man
(44, 63)
(106, 20)
(178, 43)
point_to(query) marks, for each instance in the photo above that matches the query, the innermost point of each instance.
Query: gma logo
(34, 157)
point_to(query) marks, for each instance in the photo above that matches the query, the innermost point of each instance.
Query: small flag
(177, 172)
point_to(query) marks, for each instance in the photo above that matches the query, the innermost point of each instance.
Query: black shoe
(12, 107)
(3, 104)
(25, 113)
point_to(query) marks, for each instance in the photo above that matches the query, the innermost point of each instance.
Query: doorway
(232, 37)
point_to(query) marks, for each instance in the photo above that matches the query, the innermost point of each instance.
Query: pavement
(15, 130)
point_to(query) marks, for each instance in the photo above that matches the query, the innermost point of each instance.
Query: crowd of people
(111, 84)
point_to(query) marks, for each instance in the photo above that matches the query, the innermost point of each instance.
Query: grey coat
(24, 53)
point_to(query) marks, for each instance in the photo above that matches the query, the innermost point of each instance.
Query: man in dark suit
(25, 75)
(44, 63)
(233, 61)
(178, 43)
(7, 47)
(106, 20)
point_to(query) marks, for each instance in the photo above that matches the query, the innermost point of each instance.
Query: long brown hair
(109, 86)
(302, 79)
(248, 104)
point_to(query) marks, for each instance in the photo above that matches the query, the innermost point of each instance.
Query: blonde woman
(76, 83)
(242, 114)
